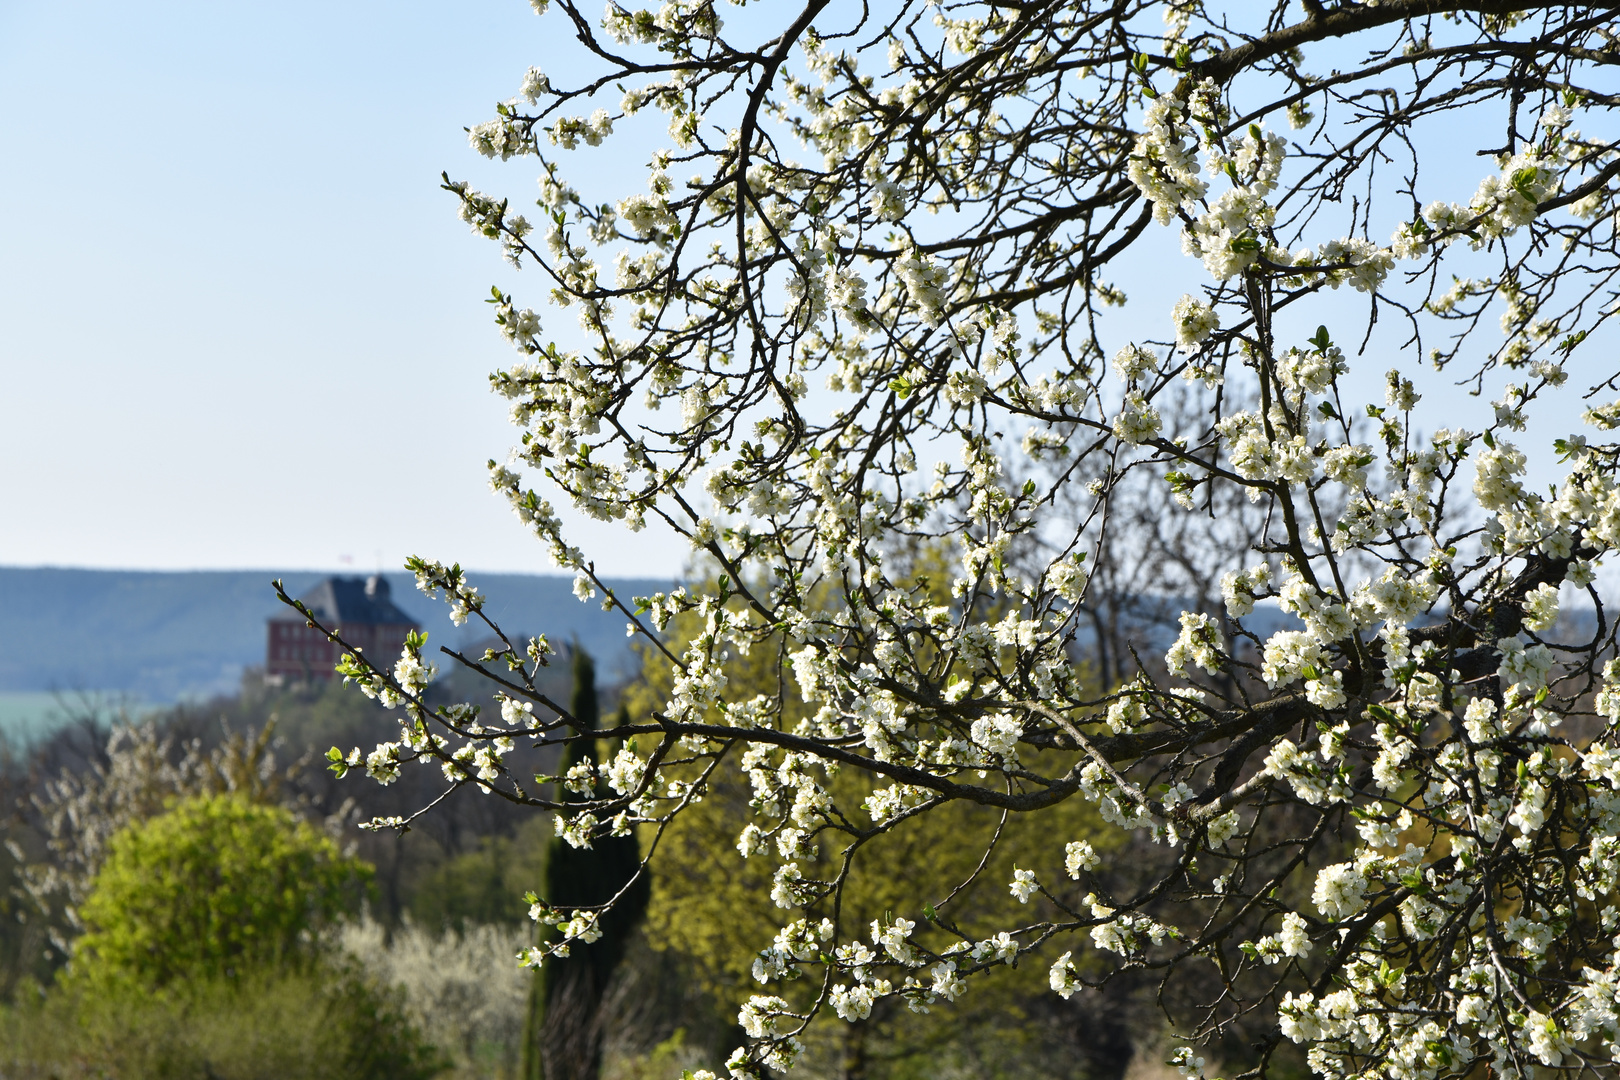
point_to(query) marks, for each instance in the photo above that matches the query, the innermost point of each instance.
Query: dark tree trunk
(565, 1024)
(854, 1063)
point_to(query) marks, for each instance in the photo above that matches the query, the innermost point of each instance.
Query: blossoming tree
(869, 298)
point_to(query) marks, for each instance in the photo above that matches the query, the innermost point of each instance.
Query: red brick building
(358, 608)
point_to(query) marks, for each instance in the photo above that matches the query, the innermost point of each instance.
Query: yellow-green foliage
(213, 887)
(323, 1023)
(485, 885)
(713, 907)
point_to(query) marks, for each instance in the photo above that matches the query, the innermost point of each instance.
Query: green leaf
(1522, 181)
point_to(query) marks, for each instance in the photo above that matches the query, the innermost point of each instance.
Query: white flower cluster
(1164, 162)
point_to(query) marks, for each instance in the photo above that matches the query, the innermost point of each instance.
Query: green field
(26, 716)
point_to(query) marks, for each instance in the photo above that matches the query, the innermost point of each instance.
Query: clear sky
(240, 325)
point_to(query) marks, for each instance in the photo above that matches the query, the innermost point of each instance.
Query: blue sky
(240, 325)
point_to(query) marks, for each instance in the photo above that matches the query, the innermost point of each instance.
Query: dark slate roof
(339, 601)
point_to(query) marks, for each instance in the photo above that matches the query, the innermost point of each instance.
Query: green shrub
(214, 887)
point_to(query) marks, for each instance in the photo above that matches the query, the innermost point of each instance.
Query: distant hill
(166, 636)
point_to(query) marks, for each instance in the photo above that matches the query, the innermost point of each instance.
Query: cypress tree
(564, 1036)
